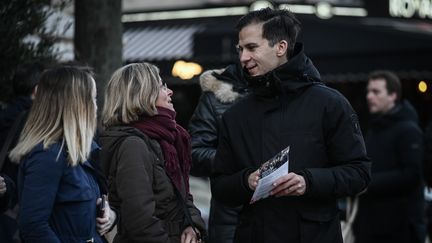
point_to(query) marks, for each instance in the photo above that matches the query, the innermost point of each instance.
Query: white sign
(408, 8)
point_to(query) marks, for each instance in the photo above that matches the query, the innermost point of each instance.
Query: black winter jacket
(289, 106)
(221, 89)
(15, 112)
(391, 210)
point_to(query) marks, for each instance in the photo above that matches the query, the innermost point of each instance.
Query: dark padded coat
(57, 202)
(15, 112)
(392, 208)
(289, 106)
(141, 190)
(221, 89)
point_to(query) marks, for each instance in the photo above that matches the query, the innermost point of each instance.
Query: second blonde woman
(146, 157)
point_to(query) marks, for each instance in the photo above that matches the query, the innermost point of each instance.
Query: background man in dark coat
(289, 106)
(221, 89)
(392, 209)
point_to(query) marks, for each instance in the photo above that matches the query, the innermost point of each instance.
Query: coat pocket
(244, 232)
(320, 227)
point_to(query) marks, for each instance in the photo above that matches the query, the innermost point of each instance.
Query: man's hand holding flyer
(270, 171)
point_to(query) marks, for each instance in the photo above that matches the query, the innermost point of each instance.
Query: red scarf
(174, 141)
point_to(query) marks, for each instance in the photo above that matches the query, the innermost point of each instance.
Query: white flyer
(270, 171)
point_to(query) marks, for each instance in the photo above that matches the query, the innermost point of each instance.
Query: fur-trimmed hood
(227, 84)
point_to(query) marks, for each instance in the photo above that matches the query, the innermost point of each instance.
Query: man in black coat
(392, 209)
(289, 106)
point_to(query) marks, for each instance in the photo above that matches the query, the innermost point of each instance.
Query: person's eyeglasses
(164, 86)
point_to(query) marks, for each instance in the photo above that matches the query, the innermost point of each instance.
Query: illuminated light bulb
(186, 70)
(422, 86)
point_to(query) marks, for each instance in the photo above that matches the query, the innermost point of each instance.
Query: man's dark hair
(278, 25)
(26, 77)
(393, 83)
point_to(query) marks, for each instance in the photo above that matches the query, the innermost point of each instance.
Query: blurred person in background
(12, 119)
(146, 157)
(220, 90)
(58, 186)
(5, 197)
(24, 85)
(427, 172)
(392, 208)
(8, 224)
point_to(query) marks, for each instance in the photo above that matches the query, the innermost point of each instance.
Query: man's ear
(282, 48)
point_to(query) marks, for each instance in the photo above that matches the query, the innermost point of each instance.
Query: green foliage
(19, 21)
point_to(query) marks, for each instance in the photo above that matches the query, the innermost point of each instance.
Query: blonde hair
(64, 110)
(131, 92)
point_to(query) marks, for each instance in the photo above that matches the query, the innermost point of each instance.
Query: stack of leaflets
(270, 171)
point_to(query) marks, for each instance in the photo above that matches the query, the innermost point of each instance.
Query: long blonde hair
(131, 92)
(64, 110)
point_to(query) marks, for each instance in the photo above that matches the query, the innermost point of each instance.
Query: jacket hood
(110, 139)
(291, 77)
(227, 84)
(402, 111)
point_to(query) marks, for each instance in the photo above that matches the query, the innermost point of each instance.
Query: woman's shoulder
(140, 144)
(48, 149)
(49, 154)
(136, 142)
(127, 135)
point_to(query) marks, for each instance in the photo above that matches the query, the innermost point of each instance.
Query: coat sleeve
(134, 186)
(41, 178)
(348, 170)
(196, 215)
(409, 153)
(203, 129)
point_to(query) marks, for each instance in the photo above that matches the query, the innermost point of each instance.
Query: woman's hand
(105, 223)
(189, 236)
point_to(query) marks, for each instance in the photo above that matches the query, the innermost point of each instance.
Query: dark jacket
(15, 112)
(12, 120)
(392, 208)
(221, 89)
(141, 190)
(57, 201)
(10, 113)
(289, 106)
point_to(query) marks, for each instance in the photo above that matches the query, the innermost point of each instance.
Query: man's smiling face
(255, 53)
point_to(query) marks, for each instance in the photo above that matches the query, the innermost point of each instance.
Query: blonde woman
(58, 187)
(146, 157)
